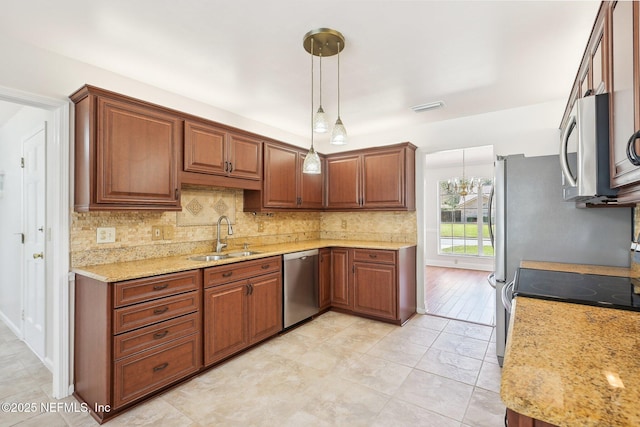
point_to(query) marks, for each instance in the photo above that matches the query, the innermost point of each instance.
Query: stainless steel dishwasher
(300, 286)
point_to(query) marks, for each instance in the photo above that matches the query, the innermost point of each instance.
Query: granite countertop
(151, 267)
(571, 364)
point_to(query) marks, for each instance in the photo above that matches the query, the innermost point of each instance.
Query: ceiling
(246, 57)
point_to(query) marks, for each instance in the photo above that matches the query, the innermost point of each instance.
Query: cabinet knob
(161, 310)
(160, 367)
(160, 287)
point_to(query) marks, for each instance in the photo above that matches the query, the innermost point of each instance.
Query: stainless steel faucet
(219, 245)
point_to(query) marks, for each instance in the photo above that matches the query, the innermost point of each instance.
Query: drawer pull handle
(160, 367)
(373, 256)
(159, 335)
(265, 266)
(160, 287)
(227, 274)
(161, 310)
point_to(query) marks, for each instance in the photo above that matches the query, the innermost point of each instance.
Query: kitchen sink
(243, 253)
(210, 257)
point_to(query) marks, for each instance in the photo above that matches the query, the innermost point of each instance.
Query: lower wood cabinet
(380, 284)
(324, 285)
(515, 419)
(134, 338)
(243, 312)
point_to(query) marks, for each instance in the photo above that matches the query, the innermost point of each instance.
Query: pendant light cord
(312, 93)
(338, 79)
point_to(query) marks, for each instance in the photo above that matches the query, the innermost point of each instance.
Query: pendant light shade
(312, 163)
(320, 123)
(339, 134)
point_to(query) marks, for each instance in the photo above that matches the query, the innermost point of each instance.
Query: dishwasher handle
(300, 255)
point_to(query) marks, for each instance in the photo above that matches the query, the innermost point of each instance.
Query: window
(464, 220)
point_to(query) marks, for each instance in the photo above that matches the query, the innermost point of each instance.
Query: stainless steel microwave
(585, 174)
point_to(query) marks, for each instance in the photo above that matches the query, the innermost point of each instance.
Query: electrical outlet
(106, 235)
(344, 224)
(167, 232)
(156, 232)
(260, 226)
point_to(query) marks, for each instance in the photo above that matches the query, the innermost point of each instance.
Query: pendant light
(320, 123)
(311, 164)
(339, 134)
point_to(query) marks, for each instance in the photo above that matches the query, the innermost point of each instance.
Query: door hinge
(22, 314)
(22, 162)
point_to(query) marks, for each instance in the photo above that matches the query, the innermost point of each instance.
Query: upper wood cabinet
(376, 179)
(126, 153)
(284, 186)
(213, 150)
(625, 102)
(594, 73)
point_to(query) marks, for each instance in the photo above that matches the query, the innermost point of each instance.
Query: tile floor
(337, 370)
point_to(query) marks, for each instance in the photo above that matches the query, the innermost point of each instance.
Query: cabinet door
(225, 321)
(245, 157)
(281, 169)
(624, 113)
(340, 296)
(384, 173)
(374, 290)
(324, 270)
(204, 149)
(343, 182)
(311, 186)
(265, 306)
(137, 154)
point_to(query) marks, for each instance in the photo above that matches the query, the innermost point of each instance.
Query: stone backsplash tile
(197, 235)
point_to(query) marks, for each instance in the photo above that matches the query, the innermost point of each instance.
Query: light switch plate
(106, 235)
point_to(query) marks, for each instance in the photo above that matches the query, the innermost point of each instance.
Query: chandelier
(323, 42)
(462, 186)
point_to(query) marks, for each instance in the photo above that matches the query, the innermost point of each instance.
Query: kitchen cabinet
(340, 289)
(375, 283)
(594, 72)
(126, 153)
(625, 99)
(515, 419)
(134, 338)
(373, 179)
(242, 306)
(324, 272)
(210, 149)
(285, 187)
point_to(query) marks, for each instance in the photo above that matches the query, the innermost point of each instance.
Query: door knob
(40, 255)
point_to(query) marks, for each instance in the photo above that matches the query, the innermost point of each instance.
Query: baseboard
(16, 330)
(461, 265)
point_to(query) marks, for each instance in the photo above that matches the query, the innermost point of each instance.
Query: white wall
(12, 133)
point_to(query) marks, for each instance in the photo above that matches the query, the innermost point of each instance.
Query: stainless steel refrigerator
(532, 222)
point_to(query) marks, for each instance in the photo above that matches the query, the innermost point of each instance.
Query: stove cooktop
(590, 289)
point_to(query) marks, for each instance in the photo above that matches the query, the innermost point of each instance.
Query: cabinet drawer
(231, 272)
(374, 255)
(147, 372)
(139, 315)
(152, 336)
(141, 290)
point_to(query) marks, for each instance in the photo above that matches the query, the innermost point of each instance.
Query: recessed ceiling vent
(429, 106)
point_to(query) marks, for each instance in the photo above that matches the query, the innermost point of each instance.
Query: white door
(34, 148)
